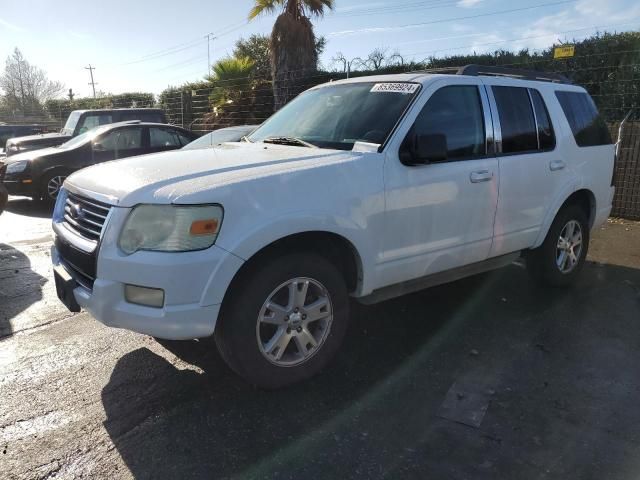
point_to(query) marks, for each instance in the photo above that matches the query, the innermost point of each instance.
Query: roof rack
(475, 70)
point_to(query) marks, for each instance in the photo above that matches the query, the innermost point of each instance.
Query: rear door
(532, 169)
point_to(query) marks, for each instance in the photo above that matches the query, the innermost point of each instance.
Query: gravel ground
(489, 377)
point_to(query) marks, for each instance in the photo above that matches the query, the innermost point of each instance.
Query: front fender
(262, 235)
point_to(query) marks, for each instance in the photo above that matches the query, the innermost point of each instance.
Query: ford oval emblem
(76, 212)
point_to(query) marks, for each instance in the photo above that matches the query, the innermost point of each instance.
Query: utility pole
(93, 84)
(209, 37)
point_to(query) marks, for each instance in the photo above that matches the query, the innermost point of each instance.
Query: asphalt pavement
(489, 377)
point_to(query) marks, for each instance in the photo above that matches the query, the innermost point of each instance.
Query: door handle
(481, 176)
(555, 165)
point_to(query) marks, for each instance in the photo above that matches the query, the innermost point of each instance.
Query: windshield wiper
(296, 142)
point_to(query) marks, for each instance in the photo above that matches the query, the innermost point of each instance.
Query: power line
(444, 20)
(509, 40)
(185, 46)
(398, 8)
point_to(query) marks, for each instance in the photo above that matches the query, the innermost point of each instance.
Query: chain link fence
(250, 100)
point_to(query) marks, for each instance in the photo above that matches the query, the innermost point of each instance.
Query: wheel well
(335, 248)
(586, 200)
(58, 170)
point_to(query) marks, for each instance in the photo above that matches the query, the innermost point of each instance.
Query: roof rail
(475, 70)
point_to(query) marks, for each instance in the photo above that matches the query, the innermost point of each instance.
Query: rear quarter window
(587, 125)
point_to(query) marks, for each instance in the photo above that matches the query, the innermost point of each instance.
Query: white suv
(369, 188)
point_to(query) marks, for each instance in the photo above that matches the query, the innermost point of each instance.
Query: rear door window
(519, 131)
(587, 125)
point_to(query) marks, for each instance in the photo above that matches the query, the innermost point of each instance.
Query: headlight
(169, 228)
(17, 167)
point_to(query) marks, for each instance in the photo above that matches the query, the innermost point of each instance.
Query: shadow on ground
(561, 370)
(28, 207)
(20, 286)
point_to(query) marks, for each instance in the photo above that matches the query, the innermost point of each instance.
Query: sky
(147, 45)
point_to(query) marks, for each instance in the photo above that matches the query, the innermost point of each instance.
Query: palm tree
(293, 43)
(232, 86)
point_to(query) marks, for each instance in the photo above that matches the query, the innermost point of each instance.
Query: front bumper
(18, 187)
(194, 284)
(106, 303)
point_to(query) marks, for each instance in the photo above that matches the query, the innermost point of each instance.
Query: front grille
(85, 217)
(80, 265)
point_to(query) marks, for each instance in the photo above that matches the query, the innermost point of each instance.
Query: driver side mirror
(98, 147)
(429, 148)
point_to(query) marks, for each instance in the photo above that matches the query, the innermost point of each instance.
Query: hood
(31, 154)
(41, 140)
(179, 176)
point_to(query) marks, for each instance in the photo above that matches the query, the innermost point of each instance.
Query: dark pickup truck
(11, 131)
(80, 121)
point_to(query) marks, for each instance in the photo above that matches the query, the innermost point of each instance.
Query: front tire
(561, 257)
(285, 320)
(51, 186)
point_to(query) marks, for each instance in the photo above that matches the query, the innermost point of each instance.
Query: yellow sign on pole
(565, 51)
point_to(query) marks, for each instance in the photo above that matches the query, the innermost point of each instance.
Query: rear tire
(285, 320)
(561, 257)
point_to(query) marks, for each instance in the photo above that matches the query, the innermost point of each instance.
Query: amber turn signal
(204, 227)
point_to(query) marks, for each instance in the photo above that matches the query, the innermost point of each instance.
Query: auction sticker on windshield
(395, 87)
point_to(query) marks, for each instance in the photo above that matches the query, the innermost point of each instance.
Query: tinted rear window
(519, 131)
(586, 123)
(153, 117)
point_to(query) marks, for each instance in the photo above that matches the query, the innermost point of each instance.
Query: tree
(378, 59)
(26, 87)
(258, 49)
(294, 53)
(233, 85)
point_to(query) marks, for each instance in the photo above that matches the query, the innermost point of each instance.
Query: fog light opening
(148, 297)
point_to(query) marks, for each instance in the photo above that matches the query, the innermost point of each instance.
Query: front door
(162, 139)
(119, 143)
(440, 215)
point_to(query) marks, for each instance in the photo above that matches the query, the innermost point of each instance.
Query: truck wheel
(560, 258)
(285, 320)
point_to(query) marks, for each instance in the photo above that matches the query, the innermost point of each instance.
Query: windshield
(70, 126)
(233, 134)
(337, 116)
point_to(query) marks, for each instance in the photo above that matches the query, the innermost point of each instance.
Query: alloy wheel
(569, 247)
(294, 322)
(54, 185)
